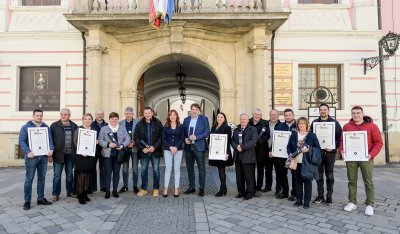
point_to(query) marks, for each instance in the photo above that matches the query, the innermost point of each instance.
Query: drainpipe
(84, 74)
(383, 90)
(272, 69)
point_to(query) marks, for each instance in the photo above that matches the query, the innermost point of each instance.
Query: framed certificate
(39, 140)
(355, 146)
(86, 144)
(218, 145)
(280, 141)
(325, 132)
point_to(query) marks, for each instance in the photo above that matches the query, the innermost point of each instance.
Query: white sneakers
(369, 210)
(350, 207)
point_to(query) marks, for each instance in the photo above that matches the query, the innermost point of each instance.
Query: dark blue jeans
(111, 166)
(38, 163)
(198, 156)
(155, 164)
(302, 185)
(133, 157)
(58, 168)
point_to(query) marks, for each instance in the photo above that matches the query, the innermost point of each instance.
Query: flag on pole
(160, 11)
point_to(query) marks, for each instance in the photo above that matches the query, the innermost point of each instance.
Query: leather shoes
(189, 191)
(240, 195)
(27, 205)
(103, 189)
(123, 189)
(248, 197)
(43, 201)
(135, 189)
(107, 195)
(115, 194)
(281, 196)
(201, 193)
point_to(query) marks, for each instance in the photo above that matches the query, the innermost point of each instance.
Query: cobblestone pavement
(192, 214)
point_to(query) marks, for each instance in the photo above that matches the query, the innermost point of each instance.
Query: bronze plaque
(39, 87)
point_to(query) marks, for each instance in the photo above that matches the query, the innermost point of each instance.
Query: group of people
(249, 148)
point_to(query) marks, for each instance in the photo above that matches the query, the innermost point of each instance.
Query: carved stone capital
(176, 36)
(129, 94)
(97, 48)
(227, 93)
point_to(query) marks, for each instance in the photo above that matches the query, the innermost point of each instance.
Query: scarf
(114, 130)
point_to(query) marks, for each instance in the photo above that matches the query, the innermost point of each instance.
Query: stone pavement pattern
(192, 214)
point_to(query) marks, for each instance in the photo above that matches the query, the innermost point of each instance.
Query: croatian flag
(160, 11)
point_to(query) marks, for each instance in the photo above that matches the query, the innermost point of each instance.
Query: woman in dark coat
(85, 167)
(221, 127)
(300, 142)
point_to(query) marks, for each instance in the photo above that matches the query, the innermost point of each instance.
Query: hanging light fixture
(180, 76)
(183, 99)
(182, 91)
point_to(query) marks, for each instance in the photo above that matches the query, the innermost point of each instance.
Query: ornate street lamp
(180, 76)
(182, 91)
(390, 43)
(183, 99)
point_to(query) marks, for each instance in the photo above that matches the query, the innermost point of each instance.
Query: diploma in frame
(218, 145)
(355, 146)
(86, 145)
(325, 132)
(280, 141)
(39, 140)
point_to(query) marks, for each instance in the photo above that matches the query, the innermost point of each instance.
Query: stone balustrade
(181, 6)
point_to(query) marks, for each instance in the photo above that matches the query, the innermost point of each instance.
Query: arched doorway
(160, 88)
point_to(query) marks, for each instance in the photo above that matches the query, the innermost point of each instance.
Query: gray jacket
(122, 125)
(105, 139)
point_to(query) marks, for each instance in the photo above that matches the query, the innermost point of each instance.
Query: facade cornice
(329, 34)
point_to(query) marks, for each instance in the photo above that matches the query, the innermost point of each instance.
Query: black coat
(156, 134)
(224, 129)
(58, 135)
(263, 137)
(249, 138)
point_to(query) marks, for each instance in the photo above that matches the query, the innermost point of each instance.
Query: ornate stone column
(227, 102)
(257, 45)
(96, 47)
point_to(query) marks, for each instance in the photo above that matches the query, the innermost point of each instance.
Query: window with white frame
(316, 75)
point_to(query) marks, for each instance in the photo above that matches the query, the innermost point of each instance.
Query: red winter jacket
(374, 136)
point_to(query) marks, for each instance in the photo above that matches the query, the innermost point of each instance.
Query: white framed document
(218, 145)
(355, 146)
(38, 138)
(86, 144)
(280, 140)
(325, 132)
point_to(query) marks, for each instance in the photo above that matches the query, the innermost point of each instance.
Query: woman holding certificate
(85, 165)
(300, 146)
(172, 138)
(113, 139)
(221, 127)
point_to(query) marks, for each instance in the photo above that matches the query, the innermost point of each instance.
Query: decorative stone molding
(99, 48)
(176, 36)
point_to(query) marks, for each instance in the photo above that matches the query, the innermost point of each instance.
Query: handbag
(291, 163)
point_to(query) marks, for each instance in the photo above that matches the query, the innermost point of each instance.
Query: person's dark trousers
(222, 178)
(69, 178)
(300, 182)
(100, 160)
(327, 164)
(282, 185)
(38, 163)
(133, 157)
(268, 172)
(261, 167)
(191, 156)
(294, 182)
(245, 178)
(155, 164)
(111, 167)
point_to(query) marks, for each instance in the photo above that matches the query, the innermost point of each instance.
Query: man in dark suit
(196, 130)
(244, 142)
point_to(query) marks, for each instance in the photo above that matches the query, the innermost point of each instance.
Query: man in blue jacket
(196, 130)
(35, 162)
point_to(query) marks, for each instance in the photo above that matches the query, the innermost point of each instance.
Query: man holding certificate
(37, 144)
(328, 131)
(373, 146)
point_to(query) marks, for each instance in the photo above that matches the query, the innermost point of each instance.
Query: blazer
(223, 129)
(135, 121)
(202, 131)
(249, 141)
(173, 137)
(105, 139)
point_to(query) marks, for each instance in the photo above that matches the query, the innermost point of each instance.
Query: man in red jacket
(360, 122)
